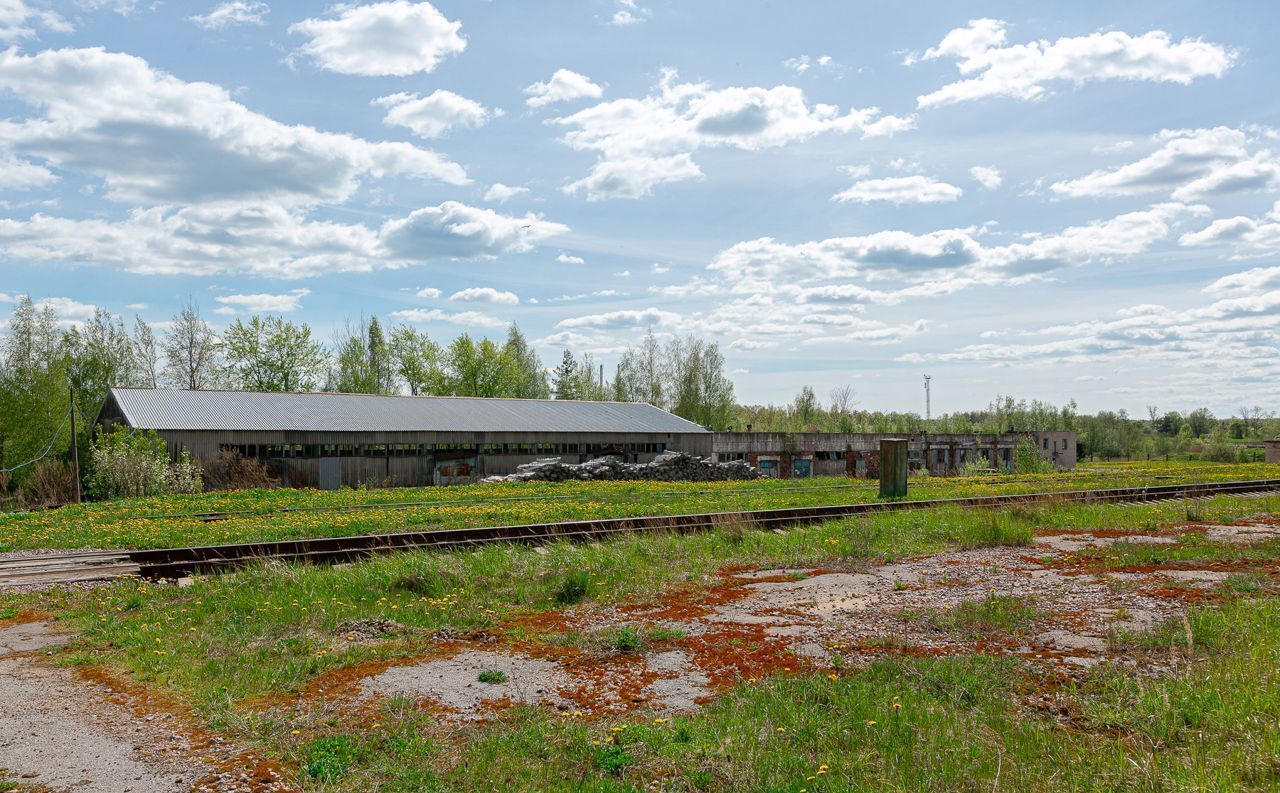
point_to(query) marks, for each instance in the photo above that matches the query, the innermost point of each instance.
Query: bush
(1027, 459)
(50, 483)
(1220, 452)
(230, 471)
(330, 759)
(978, 466)
(573, 589)
(128, 464)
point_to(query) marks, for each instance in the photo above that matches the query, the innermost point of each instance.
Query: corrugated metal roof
(164, 409)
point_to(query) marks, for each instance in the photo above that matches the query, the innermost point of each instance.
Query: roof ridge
(391, 396)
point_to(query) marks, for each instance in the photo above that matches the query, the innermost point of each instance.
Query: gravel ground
(63, 733)
(756, 623)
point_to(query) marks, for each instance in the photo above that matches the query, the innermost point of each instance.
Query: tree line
(43, 363)
(1106, 435)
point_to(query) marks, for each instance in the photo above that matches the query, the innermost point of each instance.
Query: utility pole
(928, 408)
(75, 442)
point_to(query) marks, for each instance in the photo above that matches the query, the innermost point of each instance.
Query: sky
(1053, 201)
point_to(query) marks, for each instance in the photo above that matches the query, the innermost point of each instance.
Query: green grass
(270, 629)
(125, 524)
(623, 639)
(975, 619)
(1193, 548)
(223, 642)
(492, 676)
(900, 725)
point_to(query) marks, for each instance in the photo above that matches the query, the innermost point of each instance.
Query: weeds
(492, 676)
(330, 759)
(282, 514)
(975, 619)
(573, 589)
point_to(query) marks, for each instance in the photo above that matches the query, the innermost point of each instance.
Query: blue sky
(1055, 201)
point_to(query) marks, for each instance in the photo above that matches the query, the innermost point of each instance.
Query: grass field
(246, 653)
(167, 521)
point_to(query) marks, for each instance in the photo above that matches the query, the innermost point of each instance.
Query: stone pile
(666, 467)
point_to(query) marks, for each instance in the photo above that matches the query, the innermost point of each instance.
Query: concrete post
(893, 468)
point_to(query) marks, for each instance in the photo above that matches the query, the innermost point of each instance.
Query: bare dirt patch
(77, 730)
(756, 622)
(1244, 533)
(455, 682)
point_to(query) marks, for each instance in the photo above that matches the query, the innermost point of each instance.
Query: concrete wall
(786, 455)
(1059, 447)
(348, 462)
(1271, 451)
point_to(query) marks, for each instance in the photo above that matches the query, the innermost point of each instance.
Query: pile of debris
(666, 467)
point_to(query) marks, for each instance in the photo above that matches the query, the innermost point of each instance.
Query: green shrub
(1027, 459)
(329, 759)
(494, 676)
(627, 639)
(127, 464)
(1220, 452)
(574, 588)
(613, 758)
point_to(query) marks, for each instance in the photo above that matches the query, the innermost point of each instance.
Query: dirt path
(1048, 606)
(63, 732)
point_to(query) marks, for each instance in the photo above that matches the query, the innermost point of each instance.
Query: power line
(47, 449)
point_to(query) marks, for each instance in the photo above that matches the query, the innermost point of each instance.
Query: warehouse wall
(348, 461)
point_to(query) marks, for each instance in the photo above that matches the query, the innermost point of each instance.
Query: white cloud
(396, 38)
(269, 240)
(1232, 342)
(235, 12)
(1192, 163)
(262, 303)
(155, 138)
(485, 294)
(628, 14)
(750, 345)
(900, 190)
(989, 178)
(1248, 282)
(649, 141)
(18, 20)
(459, 231)
(137, 306)
(67, 310)
(1248, 236)
(564, 86)
(565, 258)
(585, 295)
(627, 318)
(470, 318)
(502, 193)
(429, 292)
(16, 174)
(622, 274)
(804, 63)
(434, 115)
(659, 269)
(932, 263)
(1020, 71)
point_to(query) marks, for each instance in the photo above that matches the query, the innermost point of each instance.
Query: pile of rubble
(666, 467)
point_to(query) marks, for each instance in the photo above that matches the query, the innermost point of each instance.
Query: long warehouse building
(333, 440)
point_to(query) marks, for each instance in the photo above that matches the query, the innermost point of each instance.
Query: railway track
(170, 563)
(212, 516)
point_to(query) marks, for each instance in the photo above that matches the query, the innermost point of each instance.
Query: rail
(170, 563)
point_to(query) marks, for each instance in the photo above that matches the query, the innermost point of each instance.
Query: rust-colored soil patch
(753, 623)
(226, 766)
